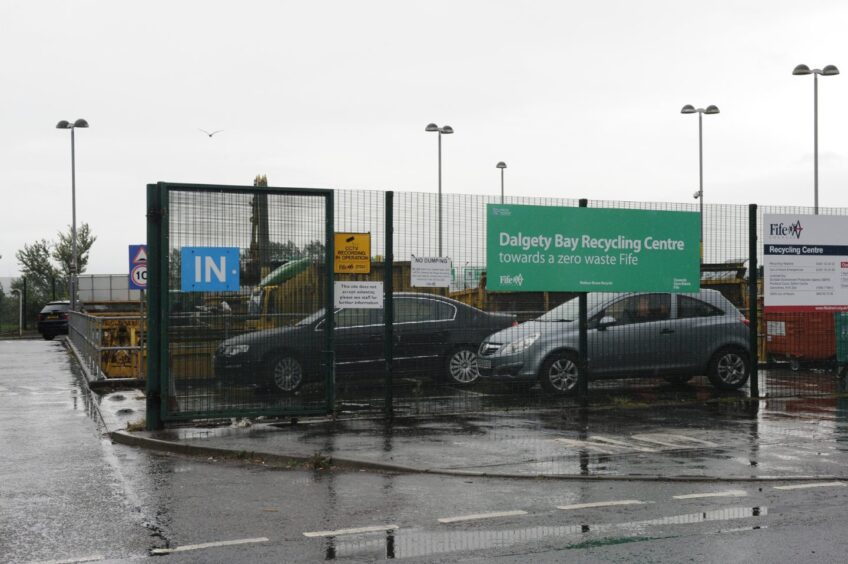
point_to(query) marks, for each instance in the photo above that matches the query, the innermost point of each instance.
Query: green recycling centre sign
(567, 249)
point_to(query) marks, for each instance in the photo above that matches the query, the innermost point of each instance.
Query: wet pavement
(718, 442)
(729, 439)
(61, 488)
(69, 494)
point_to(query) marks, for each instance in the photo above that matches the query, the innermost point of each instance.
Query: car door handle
(666, 331)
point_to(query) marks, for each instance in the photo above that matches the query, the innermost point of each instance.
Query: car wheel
(286, 373)
(461, 366)
(559, 374)
(678, 379)
(729, 369)
(48, 336)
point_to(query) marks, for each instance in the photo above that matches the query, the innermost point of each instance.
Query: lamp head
(711, 110)
(830, 70)
(802, 69)
(687, 109)
(80, 123)
(501, 165)
(431, 127)
(447, 130)
(64, 124)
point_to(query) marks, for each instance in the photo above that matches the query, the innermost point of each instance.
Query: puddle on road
(415, 543)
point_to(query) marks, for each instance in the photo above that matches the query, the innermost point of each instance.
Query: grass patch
(624, 401)
(319, 462)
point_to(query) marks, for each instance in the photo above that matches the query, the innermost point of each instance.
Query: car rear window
(53, 308)
(690, 307)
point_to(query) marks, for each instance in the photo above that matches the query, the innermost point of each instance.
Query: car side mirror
(606, 321)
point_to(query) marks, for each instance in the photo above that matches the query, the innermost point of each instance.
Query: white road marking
(601, 504)
(816, 485)
(157, 551)
(476, 516)
(671, 440)
(95, 558)
(357, 531)
(729, 493)
(656, 443)
(623, 444)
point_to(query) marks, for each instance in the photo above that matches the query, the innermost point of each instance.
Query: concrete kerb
(289, 461)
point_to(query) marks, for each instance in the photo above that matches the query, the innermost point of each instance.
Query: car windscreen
(568, 311)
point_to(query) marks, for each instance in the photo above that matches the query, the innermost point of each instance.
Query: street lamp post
(690, 109)
(501, 165)
(73, 282)
(444, 130)
(829, 70)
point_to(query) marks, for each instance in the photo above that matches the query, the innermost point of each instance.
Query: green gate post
(753, 321)
(583, 340)
(329, 307)
(154, 343)
(388, 302)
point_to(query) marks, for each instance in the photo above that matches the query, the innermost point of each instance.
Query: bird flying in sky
(210, 134)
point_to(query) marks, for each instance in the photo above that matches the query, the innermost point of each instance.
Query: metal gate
(240, 282)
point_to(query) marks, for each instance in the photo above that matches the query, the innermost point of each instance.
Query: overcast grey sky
(581, 99)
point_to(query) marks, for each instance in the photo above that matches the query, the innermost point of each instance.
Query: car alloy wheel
(462, 367)
(560, 374)
(287, 374)
(729, 369)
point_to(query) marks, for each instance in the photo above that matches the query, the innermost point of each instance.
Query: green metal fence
(283, 241)
(457, 341)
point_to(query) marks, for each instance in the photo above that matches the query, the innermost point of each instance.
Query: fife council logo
(517, 280)
(784, 230)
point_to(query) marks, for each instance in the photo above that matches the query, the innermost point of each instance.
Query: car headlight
(233, 350)
(521, 344)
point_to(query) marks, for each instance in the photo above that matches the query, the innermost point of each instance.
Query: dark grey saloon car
(432, 334)
(676, 336)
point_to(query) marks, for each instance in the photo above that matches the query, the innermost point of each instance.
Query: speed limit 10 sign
(138, 267)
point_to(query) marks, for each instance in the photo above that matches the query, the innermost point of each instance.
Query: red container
(800, 336)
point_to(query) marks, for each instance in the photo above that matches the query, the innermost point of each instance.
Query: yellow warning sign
(352, 254)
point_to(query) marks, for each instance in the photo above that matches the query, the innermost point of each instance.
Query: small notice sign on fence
(352, 253)
(430, 272)
(363, 295)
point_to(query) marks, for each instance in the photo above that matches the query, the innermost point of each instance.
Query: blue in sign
(210, 269)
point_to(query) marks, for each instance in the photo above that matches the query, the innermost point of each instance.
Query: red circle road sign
(139, 275)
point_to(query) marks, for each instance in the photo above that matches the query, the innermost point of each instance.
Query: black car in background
(431, 334)
(53, 319)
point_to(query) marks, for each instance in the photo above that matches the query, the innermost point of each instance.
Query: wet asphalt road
(68, 494)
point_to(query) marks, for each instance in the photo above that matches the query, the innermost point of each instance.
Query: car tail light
(745, 321)
(514, 323)
(63, 316)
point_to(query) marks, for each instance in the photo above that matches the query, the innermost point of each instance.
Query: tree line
(45, 267)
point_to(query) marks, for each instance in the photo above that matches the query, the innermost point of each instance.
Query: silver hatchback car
(676, 336)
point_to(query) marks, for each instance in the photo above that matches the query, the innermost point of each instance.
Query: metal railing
(109, 346)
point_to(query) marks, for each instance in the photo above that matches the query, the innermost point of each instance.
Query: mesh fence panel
(798, 347)
(261, 348)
